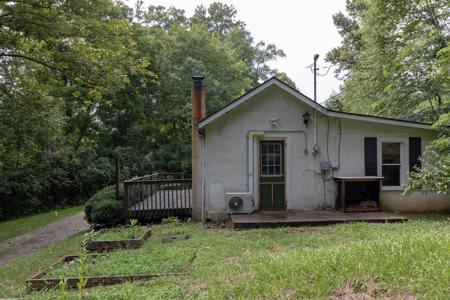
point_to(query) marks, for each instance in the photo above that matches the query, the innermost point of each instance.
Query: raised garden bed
(111, 239)
(42, 280)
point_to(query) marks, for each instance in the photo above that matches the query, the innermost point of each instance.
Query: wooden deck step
(309, 218)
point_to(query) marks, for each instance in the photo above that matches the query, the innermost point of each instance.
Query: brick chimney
(198, 113)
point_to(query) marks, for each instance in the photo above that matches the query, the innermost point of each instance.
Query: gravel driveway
(43, 236)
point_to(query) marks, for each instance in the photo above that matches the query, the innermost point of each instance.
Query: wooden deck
(165, 199)
(153, 197)
(163, 203)
(309, 218)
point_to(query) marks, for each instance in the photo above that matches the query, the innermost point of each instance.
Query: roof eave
(308, 101)
(254, 92)
(379, 120)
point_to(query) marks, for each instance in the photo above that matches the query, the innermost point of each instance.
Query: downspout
(251, 164)
(203, 166)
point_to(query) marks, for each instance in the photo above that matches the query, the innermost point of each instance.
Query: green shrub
(103, 209)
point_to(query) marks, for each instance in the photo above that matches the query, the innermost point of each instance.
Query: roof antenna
(316, 57)
(316, 147)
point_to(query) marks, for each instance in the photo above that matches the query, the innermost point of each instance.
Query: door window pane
(271, 158)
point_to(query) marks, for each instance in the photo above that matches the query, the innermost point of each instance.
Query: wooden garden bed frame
(38, 282)
(111, 245)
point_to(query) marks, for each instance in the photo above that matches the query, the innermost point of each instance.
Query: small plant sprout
(134, 228)
(62, 287)
(84, 264)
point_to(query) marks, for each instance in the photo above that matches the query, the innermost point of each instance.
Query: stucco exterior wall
(228, 150)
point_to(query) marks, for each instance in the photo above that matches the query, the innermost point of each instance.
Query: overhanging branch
(28, 58)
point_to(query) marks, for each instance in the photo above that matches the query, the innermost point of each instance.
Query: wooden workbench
(342, 197)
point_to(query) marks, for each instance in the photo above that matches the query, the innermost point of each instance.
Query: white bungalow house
(276, 149)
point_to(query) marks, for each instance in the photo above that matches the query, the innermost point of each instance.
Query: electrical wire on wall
(324, 178)
(339, 144)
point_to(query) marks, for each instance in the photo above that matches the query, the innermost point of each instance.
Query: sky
(300, 28)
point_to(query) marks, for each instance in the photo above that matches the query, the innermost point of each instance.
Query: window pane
(265, 161)
(277, 148)
(391, 153)
(391, 175)
(277, 170)
(264, 170)
(271, 159)
(277, 160)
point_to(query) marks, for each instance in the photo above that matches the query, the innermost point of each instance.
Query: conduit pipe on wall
(251, 149)
(203, 155)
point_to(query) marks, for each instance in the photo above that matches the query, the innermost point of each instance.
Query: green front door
(271, 175)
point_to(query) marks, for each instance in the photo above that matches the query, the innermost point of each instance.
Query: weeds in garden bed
(146, 260)
(120, 234)
(173, 226)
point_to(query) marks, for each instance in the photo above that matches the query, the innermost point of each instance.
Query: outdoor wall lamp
(274, 122)
(306, 117)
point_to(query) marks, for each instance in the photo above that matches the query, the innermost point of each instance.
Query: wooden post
(126, 188)
(117, 178)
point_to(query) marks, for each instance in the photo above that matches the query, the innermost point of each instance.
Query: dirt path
(43, 236)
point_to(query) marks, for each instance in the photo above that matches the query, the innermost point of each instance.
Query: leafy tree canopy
(394, 59)
(84, 81)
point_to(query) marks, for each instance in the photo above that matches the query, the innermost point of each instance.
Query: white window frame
(404, 159)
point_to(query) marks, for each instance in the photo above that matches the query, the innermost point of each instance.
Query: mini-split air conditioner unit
(240, 203)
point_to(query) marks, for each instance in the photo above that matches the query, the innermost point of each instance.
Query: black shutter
(415, 150)
(370, 156)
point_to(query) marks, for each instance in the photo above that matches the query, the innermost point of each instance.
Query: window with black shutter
(370, 156)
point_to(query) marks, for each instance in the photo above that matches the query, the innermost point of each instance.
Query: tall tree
(82, 81)
(394, 59)
(212, 42)
(390, 57)
(58, 61)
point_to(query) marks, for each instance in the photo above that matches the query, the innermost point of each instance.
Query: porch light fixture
(306, 117)
(274, 122)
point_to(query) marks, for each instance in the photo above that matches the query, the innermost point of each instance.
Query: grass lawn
(10, 229)
(149, 259)
(14, 274)
(380, 260)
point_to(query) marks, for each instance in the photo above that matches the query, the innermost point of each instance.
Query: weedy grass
(377, 260)
(13, 228)
(146, 260)
(173, 226)
(119, 234)
(14, 274)
(159, 288)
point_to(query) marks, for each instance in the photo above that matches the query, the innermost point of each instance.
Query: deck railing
(157, 196)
